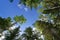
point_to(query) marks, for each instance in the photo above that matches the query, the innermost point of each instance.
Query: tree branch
(52, 8)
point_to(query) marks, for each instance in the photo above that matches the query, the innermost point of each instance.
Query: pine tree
(13, 34)
(5, 23)
(30, 35)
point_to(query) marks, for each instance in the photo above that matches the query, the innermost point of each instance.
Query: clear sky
(8, 9)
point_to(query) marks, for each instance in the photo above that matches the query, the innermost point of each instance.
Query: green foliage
(50, 29)
(40, 10)
(13, 34)
(21, 19)
(5, 23)
(31, 3)
(51, 8)
(29, 35)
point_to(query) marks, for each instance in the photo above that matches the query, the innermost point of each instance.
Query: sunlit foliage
(20, 19)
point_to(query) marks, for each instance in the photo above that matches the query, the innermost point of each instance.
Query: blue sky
(8, 9)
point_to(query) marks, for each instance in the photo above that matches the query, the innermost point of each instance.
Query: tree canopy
(50, 27)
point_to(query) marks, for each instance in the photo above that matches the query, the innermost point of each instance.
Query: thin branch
(53, 8)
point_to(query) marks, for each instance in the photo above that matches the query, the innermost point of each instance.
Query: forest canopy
(47, 25)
